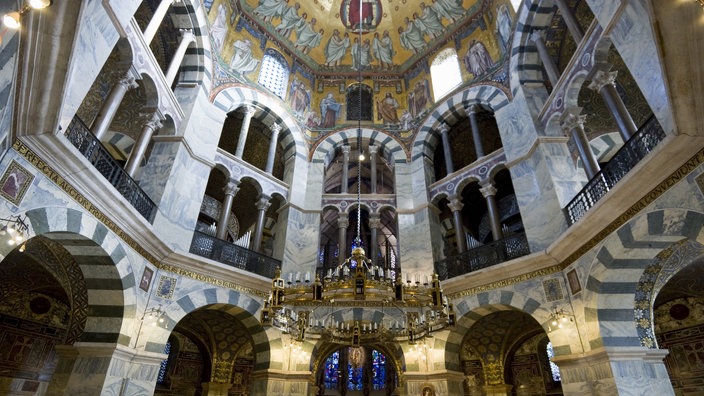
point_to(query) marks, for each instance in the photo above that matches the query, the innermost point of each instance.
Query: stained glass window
(274, 73)
(445, 73)
(164, 363)
(553, 367)
(355, 368)
(378, 370)
(332, 370)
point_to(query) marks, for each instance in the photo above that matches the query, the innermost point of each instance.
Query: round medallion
(363, 15)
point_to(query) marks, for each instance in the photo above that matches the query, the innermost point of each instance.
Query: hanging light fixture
(17, 229)
(404, 311)
(558, 319)
(12, 20)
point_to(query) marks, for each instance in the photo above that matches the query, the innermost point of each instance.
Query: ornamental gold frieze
(506, 282)
(346, 303)
(214, 281)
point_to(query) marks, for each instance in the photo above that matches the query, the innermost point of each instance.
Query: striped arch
(452, 109)
(618, 269)
(196, 66)
(472, 308)
(654, 278)
(269, 110)
(324, 150)
(241, 306)
(112, 291)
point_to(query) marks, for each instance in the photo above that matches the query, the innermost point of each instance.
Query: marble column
(455, 206)
(548, 64)
(444, 129)
(489, 193)
(156, 20)
(112, 103)
(230, 190)
(573, 123)
(275, 129)
(345, 168)
(472, 112)
(374, 224)
(372, 160)
(262, 205)
(187, 38)
(570, 20)
(604, 82)
(343, 222)
(244, 130)
(140, 146)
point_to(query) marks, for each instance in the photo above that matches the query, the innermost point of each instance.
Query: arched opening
(357, 370)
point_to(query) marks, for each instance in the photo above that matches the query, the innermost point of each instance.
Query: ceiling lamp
(17, 229)
(12, 19)
(403, 311)
(39, 4)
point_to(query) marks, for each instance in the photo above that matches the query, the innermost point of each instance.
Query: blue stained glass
(355, 376)
(553, 367)
(162, 368)
(378, 370)
(332, 369)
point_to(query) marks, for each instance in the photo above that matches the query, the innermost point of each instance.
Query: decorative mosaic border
(22, 149)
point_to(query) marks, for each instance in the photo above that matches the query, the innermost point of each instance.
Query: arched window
(353, 369)
(354, 111)
(445, 73)
(274, 72)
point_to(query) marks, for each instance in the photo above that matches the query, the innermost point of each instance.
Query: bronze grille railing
(83, 139)
(632, 152)
(216, 249)
(484, 256)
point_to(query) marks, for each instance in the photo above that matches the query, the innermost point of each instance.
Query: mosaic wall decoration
(146, 280)
(166, 287)
(553, 290)
(573, 281)
(14, 183)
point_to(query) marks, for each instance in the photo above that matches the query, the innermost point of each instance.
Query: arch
(616, 272)
(324, 150)
(490, 96)
(91, 243)
(196, 66)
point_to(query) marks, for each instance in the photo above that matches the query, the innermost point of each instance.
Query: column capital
(374, 220)
(472, 108)
(537, 35)
(455, 204)
(488, 190)
(249, 110)
(346, 150)
(154, 121)
(444, 128)
(128, 81)
(373, 149)
(343, 221)
(276, 128)
(231, 188)
(263, 202)
(572, 118)
(187, 34)
(602, 78)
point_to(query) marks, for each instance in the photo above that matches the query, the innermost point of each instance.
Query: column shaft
(604, 82)
(446, 149)
(489, 193)
(342, 223)
(262, 205)
(156, 20)
(456, 207)
(244, 130)
(548, 64)
(112, 103)
(374, 224)
(476, 135)
(570, 20)
(275, 129)
(573, 123)
(140, 147)
(187, 38)
(345, 169)
(230, 190)
(372, 160)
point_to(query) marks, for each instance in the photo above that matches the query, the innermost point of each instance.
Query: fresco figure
(383, 49)
(336, 48)
(290, 21)
(451, 10)
(329, 111)
(361, 16)
(242, 60)
(268, 9)
(361, 55)
(419, 98)
(218, 30)
(307, 36)
(503, 26)
(477, 60)
(411, 37)
(299, 98)
(387, 110)
(432, 25)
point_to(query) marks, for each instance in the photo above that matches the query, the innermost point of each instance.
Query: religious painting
(166, 287)
(553, 290)
(573, 281)
(428, 391)
(14, 183)
(363, 15)
(146, 280)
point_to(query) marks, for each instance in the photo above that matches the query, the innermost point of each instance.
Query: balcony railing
(484, 256)
(83, 139)
(632, 152)
(216, 249)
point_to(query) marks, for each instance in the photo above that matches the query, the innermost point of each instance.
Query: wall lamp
(12, 19)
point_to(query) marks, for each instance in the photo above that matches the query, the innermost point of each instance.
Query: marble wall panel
(302, 240)
(416, 250)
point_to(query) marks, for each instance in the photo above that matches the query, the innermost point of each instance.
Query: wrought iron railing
(216, 249)
(627, 157)
(83, 139)
(484, 256)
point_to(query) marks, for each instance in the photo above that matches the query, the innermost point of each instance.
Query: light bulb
(11, 241)
(554, 322)
(39, 4)
(564, 319)
(11, 230)
(19, 238)
(12, 20)
(361, 156)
